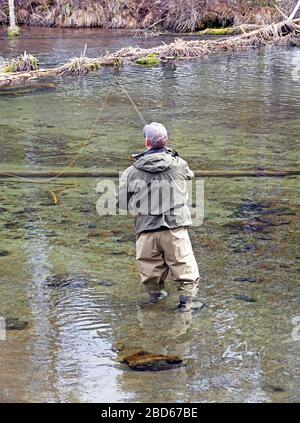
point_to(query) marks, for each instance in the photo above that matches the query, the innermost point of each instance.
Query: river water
(71, 273)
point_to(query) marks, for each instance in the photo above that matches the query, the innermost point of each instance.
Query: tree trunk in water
(12, 17)
(293, 14)
(24, 174)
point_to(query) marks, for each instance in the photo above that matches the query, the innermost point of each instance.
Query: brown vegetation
(175, 15)
(24, 63)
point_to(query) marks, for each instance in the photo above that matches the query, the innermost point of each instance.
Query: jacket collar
(155, 150)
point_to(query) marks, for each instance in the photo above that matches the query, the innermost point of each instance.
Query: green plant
(24, 63)
(150, 60)
(217, 31)
(13, 32)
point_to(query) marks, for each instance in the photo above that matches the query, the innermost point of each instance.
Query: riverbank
(171, 15)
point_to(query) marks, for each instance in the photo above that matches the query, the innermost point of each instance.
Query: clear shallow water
(226, 112)
(223, 113)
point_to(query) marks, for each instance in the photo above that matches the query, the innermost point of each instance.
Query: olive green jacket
(154, 190)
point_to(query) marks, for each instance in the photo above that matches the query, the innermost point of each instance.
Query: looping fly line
(87, 140)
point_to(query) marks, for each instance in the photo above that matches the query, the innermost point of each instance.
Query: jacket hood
(154, 163)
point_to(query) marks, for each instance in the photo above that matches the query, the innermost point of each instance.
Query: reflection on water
(72, 274)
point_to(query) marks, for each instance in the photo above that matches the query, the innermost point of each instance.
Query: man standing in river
(154, 189)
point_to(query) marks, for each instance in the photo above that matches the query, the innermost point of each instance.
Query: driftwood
(84, 173)
(286, 32)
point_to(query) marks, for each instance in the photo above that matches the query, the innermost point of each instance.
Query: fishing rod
(86, 142)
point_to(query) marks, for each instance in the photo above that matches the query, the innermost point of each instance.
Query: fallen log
(286, 31)
(103, 173)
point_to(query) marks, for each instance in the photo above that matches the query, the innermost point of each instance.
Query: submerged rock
(50, 234)
(250, 208)
(104, 282)
(250, 280)
(105, 233)
(274, 388)
(73, 281)
(248, 226)
(247, 208)
(245, 298)
(244, 248)
(146, 361)
(28, 210)
(14, 323)
(61, 281)
(258, 217)
(197, 305)
(264, 238)
(209, 243)
(93, 233)
(4, 253)
(11, 225)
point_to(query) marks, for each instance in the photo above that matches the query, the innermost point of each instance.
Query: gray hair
(156, 134)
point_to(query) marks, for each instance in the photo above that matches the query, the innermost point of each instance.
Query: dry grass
(80, 66)
(24, 63)
(89, 17)
(175, 15)
(184, 15)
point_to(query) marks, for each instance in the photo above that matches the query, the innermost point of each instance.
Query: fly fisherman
(154, 189)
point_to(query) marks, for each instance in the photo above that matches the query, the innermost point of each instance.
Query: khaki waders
(164, 251)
